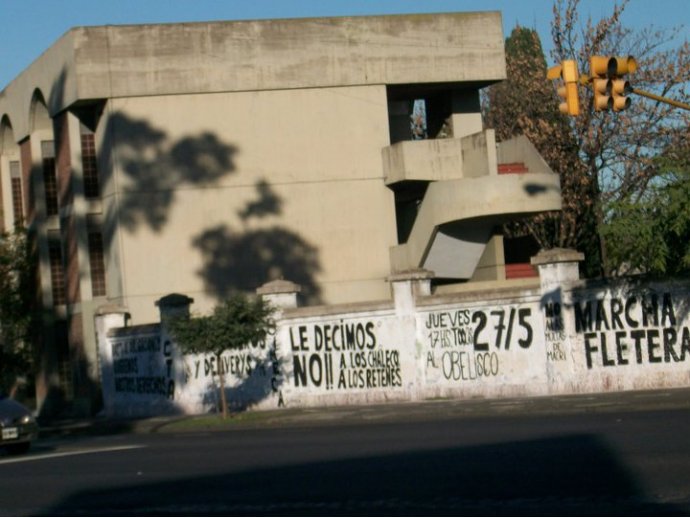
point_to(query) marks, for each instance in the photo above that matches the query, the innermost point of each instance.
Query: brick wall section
(512, 168)
(68, 225)
(29, 197)
(62, 160)
(71, 247)
(3, 228)
(521, 271)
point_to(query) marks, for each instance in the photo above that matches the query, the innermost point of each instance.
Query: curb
(630, 401)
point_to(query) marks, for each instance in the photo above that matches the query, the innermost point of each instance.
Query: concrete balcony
(440, 159)
(466, 198)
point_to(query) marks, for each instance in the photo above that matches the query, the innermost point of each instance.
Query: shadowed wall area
(155, 168)
(246, 259)
(158, 175)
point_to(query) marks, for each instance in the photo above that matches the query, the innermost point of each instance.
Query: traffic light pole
(649, 95)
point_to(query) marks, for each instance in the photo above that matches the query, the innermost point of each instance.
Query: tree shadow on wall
(244, 260)
(156, 168)
(264, 380)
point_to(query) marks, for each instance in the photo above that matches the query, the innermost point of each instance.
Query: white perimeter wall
(572, 339)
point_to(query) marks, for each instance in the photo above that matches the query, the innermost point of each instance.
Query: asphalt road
(612, 463)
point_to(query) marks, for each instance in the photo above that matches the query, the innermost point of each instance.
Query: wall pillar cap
(111, 309)
(278, 286)
(557, 255)
(174, 300)
(417, 274)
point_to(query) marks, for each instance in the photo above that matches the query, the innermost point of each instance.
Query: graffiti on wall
(468, 344)
(342, 355)
(236, 364)
(562, 341)
(143, 365)
(251, 373)
(643, 328)
(143, 368)
(554, 332)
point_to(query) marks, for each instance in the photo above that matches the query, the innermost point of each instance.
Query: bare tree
(603, 158)
(619, 150)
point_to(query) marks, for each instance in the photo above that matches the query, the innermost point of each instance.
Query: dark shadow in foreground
(570, 475)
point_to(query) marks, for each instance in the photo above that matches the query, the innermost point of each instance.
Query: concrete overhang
(190, 58)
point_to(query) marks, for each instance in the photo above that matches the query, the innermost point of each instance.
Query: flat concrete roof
(142, 60)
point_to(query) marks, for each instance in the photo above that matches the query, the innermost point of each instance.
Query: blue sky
(31, 26)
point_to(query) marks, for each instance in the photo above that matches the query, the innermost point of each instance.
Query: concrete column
(557, 266)
(491, 266)
(558, 269)
(467, 115)
(280, 294)
(407, 287)
(106, 318)
(173, 305)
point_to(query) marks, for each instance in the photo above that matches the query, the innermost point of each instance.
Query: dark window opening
(518, 253)
(49, 177)
(89, 165)
(97, 263)
(57, 271)
(89, 114)
(417, 112)
(17, 202)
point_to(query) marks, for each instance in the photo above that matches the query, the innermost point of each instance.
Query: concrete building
(204, 158)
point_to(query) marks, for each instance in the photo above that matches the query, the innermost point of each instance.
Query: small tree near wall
(234, 324)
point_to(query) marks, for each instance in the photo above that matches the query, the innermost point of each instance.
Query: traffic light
(610, 88)
(567, 71)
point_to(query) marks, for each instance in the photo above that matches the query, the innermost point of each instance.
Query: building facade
(206, 158)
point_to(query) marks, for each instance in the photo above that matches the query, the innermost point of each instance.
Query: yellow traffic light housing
(610, 89)
(624, 65)
(567, 71)
(602, 94)
(620, 88)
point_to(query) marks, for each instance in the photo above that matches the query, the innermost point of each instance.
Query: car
(18, 428)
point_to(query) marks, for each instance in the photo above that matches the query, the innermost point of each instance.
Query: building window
(57, 271)
(49, 177)
(88, 161)
(17, 203)
(97, 263)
